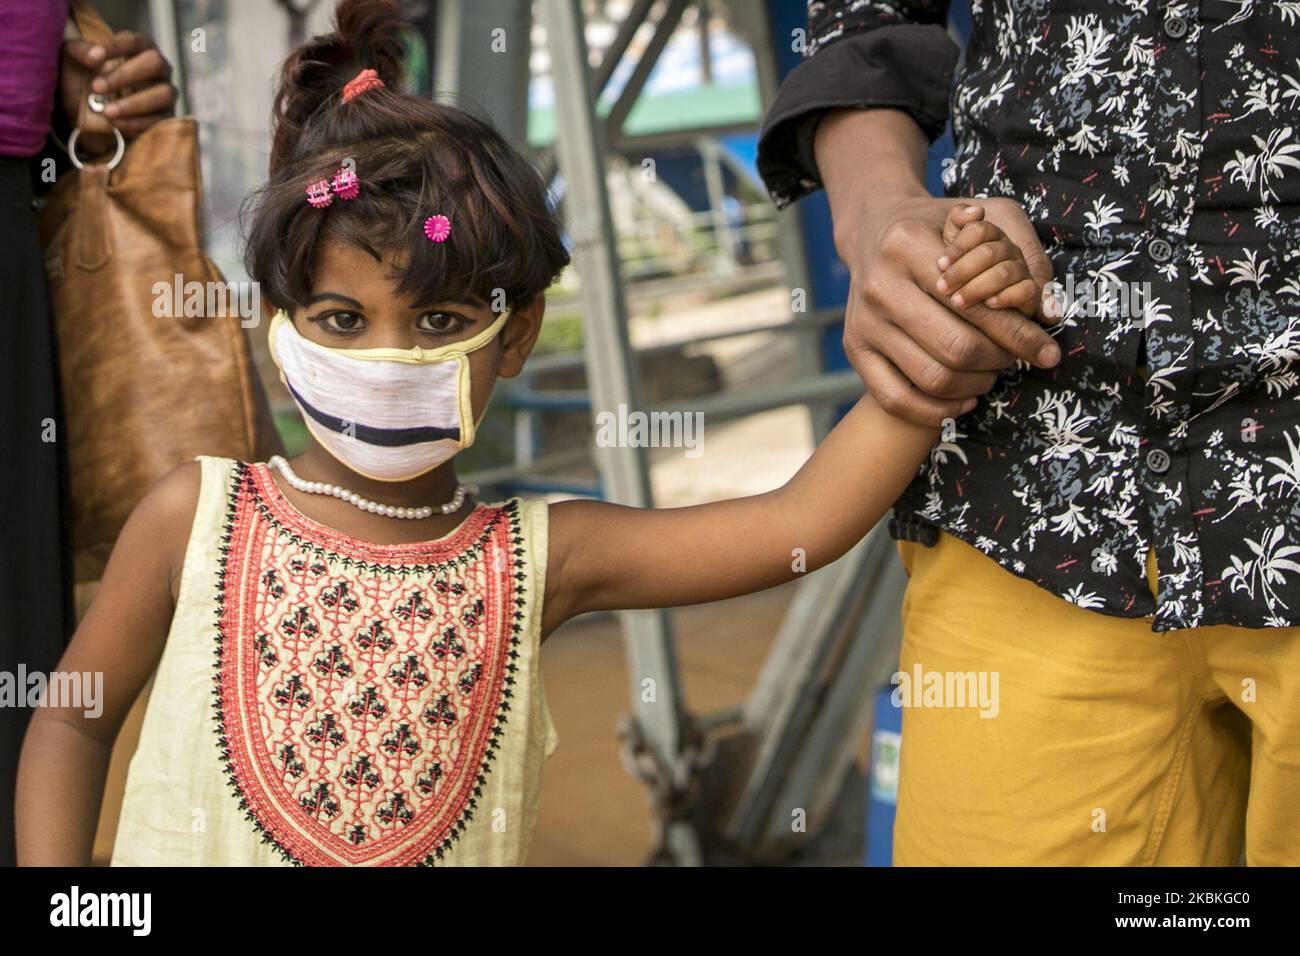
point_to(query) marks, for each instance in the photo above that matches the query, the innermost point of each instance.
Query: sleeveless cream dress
(323, 701)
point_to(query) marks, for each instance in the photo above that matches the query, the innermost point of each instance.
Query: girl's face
(355, 305)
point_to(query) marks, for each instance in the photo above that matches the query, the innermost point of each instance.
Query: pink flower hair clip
(437, 228)
(318, 194)
(345, 185)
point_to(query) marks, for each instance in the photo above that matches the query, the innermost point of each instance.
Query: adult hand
(920, 356)
(923, 358)
(130, 73)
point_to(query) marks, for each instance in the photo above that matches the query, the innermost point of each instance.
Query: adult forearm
(865, 158)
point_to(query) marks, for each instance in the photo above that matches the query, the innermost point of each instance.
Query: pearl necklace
(365, 504)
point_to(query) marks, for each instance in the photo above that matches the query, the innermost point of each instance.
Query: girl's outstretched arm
(605, 556)
(66, 751)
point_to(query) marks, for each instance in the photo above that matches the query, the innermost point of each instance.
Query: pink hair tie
(437, 228)
(365, 80)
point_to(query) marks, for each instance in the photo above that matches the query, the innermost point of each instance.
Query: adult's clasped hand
(922, 357)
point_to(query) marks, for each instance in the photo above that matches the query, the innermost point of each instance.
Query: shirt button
(1176, 28)
(1158, 460)
(1159, 250)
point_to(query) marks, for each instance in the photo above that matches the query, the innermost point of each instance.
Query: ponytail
(367, 35)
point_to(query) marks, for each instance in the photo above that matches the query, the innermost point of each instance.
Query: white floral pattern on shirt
(1122, 126)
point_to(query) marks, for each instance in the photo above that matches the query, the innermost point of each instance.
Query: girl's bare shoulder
(161, 522)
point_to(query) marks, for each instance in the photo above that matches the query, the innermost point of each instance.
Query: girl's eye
(441, 323)
(345, 323)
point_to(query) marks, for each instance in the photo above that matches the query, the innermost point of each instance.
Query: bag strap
(89, 23)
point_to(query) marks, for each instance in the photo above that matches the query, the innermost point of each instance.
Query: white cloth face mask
(388, 414)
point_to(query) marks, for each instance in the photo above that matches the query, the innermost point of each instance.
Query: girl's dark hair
(414, 159)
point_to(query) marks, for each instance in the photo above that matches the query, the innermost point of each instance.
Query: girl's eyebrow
(472, 303)
(338, 298)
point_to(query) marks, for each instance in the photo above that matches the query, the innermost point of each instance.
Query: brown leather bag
(142, 394)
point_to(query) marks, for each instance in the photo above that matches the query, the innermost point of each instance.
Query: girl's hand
(130, 73)
(981, 264)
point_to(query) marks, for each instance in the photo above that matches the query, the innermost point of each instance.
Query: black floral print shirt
(1155, 145)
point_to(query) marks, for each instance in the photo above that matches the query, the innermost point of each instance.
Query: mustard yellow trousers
(1098, 742)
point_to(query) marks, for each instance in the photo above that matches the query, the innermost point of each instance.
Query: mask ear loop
(277, 322)
(464, 388)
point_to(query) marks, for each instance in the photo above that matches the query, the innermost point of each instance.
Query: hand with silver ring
(126, 77)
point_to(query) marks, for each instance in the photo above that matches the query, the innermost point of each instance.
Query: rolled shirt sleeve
(877, 54)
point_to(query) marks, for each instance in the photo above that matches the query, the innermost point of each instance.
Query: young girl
(346, 646)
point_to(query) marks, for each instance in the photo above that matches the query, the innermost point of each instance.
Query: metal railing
(533, 470)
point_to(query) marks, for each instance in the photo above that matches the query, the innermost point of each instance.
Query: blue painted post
(882, 779)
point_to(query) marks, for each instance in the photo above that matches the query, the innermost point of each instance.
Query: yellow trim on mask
(464, 392)
(415, 355)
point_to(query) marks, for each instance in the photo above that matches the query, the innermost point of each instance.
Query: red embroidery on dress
(360, 688)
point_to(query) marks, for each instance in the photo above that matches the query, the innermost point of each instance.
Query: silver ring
(96, 102)
(112, 163)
